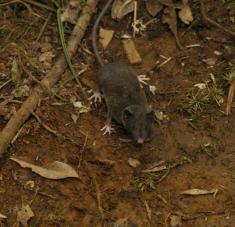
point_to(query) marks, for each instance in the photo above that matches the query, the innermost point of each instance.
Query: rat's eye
(128, 117)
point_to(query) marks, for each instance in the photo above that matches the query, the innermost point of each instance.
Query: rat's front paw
(107, 129)
(143, 80)
(95, 97)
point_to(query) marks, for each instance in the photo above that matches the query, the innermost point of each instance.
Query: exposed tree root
(16, 122)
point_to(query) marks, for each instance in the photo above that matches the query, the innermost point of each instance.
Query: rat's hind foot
(96, 96)
(143, 80)
(107, 129)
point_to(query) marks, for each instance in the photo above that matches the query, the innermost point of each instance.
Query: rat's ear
(149, 110)
(129, 110)
(127, 114)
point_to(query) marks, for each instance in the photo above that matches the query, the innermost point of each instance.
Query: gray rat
(126, 101)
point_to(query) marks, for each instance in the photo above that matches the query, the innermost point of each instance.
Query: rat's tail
(94, 32)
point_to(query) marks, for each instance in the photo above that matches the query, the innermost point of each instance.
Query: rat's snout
(140, 140)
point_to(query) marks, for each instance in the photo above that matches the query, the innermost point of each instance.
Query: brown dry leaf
(105, 37)
(196, 191)
(55, 170)
(175, 221)
(210, 61)
(24, 215)
(2, 216)
(71, 11)
(170, 18)
(185, 13)
(153, 7)
(46, 56)
(21, 91)
(121, 8)
(74, 118)
(46, 59)
(133, 162)
(131, 52)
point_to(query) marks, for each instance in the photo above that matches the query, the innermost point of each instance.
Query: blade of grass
(62, 39)
(44, 27)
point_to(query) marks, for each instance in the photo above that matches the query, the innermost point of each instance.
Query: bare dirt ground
(196, 145)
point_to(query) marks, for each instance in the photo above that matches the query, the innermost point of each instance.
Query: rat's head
(138, 120)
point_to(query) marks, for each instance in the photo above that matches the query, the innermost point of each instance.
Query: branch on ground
(16, 122)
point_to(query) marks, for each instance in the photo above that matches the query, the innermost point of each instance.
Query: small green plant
(201, 97)
(147, 182)
(54, 218)
(228, 77)
(184, 159)
(206, 148)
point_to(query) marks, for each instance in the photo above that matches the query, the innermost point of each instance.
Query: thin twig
(17, 135)
(48, 90)
(40, 5)
(78, 74)
(148, 210)
(47, 195)
(44, 27)
(202, 214)
(28, 28)
(81, 152)
(207, 19)
(98, 197)
(188, 28)
(135, 18)
(97, 188)
(162, 199)
(43, 125)
(165, 62)
(164, 176)
(6, 83)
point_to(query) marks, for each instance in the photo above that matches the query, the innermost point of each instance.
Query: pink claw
(143, 80)
(96, 96)
(107, 129)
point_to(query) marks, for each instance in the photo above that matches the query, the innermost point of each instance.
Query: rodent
(125, 100)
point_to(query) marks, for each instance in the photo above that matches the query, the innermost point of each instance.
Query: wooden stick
(228, 109)
(16, 122)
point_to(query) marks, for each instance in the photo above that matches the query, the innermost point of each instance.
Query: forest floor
(193, 141)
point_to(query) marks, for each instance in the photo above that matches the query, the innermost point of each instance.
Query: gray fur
(125, 100)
